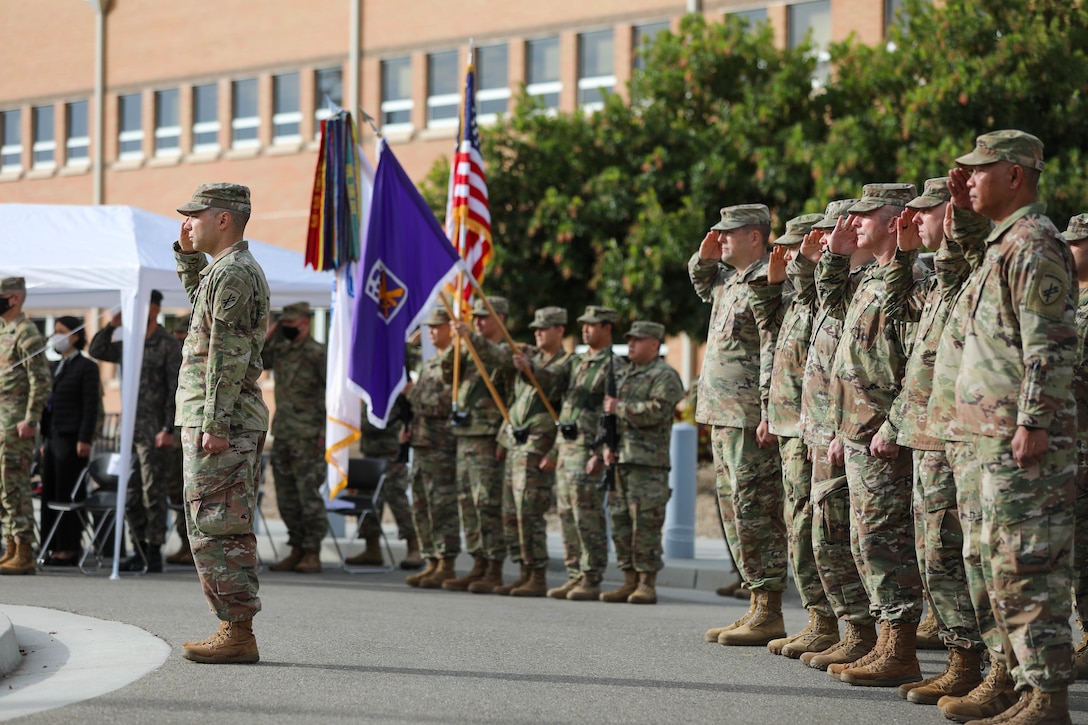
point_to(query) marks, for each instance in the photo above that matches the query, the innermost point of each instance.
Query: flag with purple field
(406, 261)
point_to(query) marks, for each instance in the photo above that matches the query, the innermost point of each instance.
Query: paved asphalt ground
(366, 648)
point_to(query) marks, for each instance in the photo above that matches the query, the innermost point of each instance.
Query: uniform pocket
(223, 513)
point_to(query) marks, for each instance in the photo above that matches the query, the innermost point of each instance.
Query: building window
(443, 95)
(78, 140)
(167, 130)
(542, 61)
(328, 88)
(754, 17)
(245, 121)
(642, 36)
(11, 145)
(286, 116)
(206, 118)
(130, 121)
(492, 82)
(893, 14)
(397, 94)
(814, 17)
(44, 145)
(596, 74)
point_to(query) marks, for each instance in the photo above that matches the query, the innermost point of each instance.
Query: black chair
(362, 499)
(94, 501)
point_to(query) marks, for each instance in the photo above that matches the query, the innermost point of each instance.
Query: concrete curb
(9, 647)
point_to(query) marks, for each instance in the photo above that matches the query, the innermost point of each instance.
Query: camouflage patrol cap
(742, 215)
(797, 228)
(834, 210)
(595, 314)
(874, 196)
(935, 193)
(438, 316)
(548, 317)
(12, 284)
(645, 328)
(1010, 145)
(501, 305)
(1078, 229)
(296, 311)
(221, 195)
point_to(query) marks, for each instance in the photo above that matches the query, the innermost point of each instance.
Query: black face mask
(289, 332)
(5, 305)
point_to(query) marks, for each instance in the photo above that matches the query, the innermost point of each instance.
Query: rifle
(402, 413)
(610, 435)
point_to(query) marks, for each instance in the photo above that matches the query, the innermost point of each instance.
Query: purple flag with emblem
(405, 263)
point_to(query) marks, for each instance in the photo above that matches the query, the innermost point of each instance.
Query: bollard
(680, 510)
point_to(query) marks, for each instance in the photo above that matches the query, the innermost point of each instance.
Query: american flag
(468, 218)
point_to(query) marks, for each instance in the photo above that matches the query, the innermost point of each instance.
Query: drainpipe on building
(695, 6)
(101, 7)
(353, 100)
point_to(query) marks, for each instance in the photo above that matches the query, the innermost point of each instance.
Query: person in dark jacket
(68, 429)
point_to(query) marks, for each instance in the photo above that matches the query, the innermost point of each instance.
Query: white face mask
(61, 344)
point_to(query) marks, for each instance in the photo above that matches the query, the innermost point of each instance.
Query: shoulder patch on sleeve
(1047, 294)
(227, 298)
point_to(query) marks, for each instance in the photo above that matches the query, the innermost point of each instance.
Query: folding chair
(97, 512)
(362, 498)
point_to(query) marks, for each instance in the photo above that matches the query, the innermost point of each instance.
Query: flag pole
(480, 367)
(456, 312)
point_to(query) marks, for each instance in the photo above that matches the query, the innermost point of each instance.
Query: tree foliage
(607, 207)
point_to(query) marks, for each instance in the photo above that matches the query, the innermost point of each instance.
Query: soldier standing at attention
(733, 387)
(579, 502)
(221, 412)
(297, 362)
(1014, 402)
(153, 439)
(790, 315)
(646, 396)
(529, 441)
(25, 384)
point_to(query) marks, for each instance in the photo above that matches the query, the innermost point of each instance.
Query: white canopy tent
(78, 257)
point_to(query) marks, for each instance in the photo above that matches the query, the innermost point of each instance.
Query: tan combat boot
(588, 589)
(630, 584)
(1035, 708)
(646, 593)
(184, 555)
(713, 634)
(413, 580)
(858, 642)
(823, 632)
(522, 580)
(962, 674)
(23, 561)
(479, 568)
(764, 625)
(561, 592)
(233, 644)
(412, 559)
(896, 665)
(1080, 658)
(537, 586)
(288, 562)
(491, 579)
(310, 563)
(445, 572)
(993, 696)
(929, 631)
(877, 650)
(370, 556)
(775, 645)
(9, 550)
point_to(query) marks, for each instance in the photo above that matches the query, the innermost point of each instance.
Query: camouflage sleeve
(173, 369)
(769, 303)
(30, 348)
(1041, 291)
(189, 266)
(905, 297)
(704, 275)
(970, 230)
(268, 353)
(833, 283)
(103, 347)
(801, 272)
(768, 338)
(229, 350)
(658, 408)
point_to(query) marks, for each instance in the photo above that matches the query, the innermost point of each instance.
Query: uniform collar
(1038, 207)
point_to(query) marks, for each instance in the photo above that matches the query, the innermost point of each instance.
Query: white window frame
(167, 131)
(37, 146)
(245, 122)
(402, 104)
(201, 127)
(443, 101)
(492, 94)
(76, 142)
(135, 135)
(288, 117)
(321, 108)
(587, 84)
(543, 89)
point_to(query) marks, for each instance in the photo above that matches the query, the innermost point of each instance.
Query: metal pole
(355, 41)
(101, 7)
(680, 510)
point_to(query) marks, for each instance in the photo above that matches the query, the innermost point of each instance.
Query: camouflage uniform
(154, 414)
(434, 481)
(866, 375)
(732, 398)
(1078, 232)
(647, 396)
(298, 432)
(531, 488)
(218, 394)
(385, 443)
(581, 507)
(792, 315)
(25, 384)
(1019, 351)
